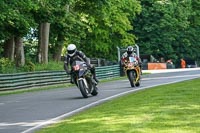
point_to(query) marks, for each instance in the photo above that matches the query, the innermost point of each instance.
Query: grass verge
(173, 108)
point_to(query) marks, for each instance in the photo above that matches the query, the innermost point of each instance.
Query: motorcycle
(132, 70)
(83, 79)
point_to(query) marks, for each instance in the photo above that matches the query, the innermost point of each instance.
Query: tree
(161, 28)
(66, 27)
(194, 31)
(108, 23)
(43, 42)
(51, 13)
(16, 24)
(42, 16)
(19, 52)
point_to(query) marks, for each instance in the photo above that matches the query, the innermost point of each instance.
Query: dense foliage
(162, 28)
(169, 29)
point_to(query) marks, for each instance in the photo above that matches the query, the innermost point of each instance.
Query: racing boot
(96, 80)
(72, 79)
(94, 75)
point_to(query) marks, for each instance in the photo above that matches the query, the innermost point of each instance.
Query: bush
(6, 66)
(29, 66)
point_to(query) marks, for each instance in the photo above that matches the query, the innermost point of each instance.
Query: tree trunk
(9, 48)
(58, 48)
(43, 43)
(19, 52)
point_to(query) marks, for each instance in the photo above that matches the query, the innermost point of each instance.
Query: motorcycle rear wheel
(95, 90)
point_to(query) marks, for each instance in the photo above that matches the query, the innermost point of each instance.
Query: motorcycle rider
(73, 54)
(131, 52)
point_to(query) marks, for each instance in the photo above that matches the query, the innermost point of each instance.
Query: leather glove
(89, 66)
(68, 72)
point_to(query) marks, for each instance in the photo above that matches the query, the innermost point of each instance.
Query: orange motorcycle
(132, 70)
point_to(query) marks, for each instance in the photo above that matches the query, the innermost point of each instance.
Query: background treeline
(169, 29)
(37, 32)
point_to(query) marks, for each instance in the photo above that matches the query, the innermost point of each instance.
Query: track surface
(27, 112)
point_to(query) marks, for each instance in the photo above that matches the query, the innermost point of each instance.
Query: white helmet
(130, 49)
(71, 49)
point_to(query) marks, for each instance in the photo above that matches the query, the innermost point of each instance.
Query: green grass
(173, 108)
(51, 66)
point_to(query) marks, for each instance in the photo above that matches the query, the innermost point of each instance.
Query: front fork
(137, 73)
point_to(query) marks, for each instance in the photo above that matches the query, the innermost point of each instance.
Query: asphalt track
(28, 112)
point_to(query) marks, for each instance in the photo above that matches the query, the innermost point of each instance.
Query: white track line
(196, 75)
(170, 70)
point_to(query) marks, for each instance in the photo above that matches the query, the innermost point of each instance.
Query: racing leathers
(126, 55)
(79, 55)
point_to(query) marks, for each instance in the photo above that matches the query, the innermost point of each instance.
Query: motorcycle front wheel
(131, 77)
(83, 88)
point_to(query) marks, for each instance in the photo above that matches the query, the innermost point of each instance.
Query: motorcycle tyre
(95, 90)
(137, 84)
(131, 77)
(83, 89)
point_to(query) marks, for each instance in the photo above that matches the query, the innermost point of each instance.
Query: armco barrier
(32, 79)
(44, 78)
(108, 71)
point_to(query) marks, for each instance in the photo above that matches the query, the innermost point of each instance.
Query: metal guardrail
(108, 71)
(44, 78)
(32, 79)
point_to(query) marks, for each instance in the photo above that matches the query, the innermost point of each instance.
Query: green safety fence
(44, 78)
(108, 71)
